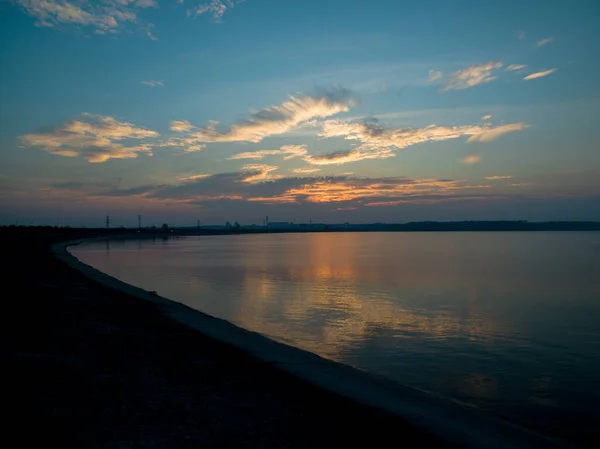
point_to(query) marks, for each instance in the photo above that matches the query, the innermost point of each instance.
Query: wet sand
(95, 367)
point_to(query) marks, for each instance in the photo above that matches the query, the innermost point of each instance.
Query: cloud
(216, 8)
(144, 3)
(94, 137)
(259, 172)
(106, 17)
(425, 199)
(274, 120)
(471, 76)
(434, 75)
(131, 191)
(536, 75)
(353, 155)
(498, 177)
(489, 134)
(521, 35)
(287, 151)
(255, 184)
(193, 177)
(195, 190)
(486, 118)
(543, 42)
(378, 142)
(305, 170)
(514, 67)
(372, 134)
(471, 159)
(189, 143)
(152, 83)
(181, 126)
(343, 189)
(217, 195)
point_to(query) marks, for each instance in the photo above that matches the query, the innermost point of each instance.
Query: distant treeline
(493, 226)
(417, 226)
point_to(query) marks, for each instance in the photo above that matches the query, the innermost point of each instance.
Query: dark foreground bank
(96, 368)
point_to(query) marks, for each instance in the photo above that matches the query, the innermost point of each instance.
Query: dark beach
(94, 367)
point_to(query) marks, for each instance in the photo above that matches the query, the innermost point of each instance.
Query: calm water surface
(509, 322)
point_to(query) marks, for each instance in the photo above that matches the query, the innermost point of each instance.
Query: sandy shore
(100, 364)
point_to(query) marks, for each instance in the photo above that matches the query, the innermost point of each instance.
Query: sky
(333, 111)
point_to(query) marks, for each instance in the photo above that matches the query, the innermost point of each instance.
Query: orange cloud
(349, 189)
(106, 17)
(471, 76)
(305, 170)
(346, 156)
(257, 184)
(379, 142)
(274, 120)
(471, 159)
(492, 133)
(193, 177)
(259, 172)
(537, 75)
(94, 137)
(287, 151)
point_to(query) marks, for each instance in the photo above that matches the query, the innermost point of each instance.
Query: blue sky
(331, 110)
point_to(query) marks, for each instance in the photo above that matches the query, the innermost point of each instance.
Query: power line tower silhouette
(107, 221)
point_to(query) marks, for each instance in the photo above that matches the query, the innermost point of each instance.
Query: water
(509, 322)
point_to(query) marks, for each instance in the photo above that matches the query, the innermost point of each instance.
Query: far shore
(125, 367)
(286, 227)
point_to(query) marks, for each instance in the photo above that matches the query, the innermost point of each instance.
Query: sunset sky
(330, 110)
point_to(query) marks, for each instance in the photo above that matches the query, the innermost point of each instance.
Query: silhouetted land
(90, 367)
(416, 226)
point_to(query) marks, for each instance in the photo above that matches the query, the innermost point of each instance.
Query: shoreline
(451, 422)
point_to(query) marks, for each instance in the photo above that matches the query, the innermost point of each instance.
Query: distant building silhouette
(282, 225)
